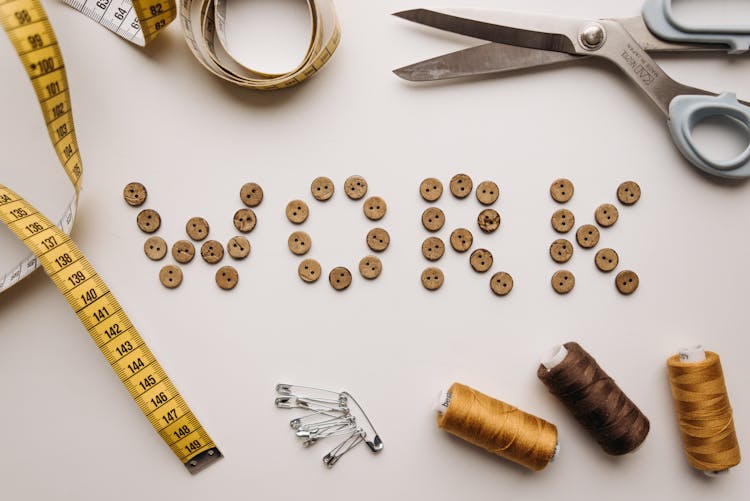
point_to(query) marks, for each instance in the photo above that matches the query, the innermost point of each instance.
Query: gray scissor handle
(661, 21)
(685, 112)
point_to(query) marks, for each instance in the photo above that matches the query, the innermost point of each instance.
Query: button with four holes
(227, 277)
(197, 228)
(370, 267)
(432, 278)
(309, 270)
(321, 189)
(238, 247)
(299, 243)
(170, 276)
(561, 250)
(212, 251)
(481, 260)
(433, 219)
(628, 192)
(587, 236)
(563, 281)
(501, 283)
(461, 240)
(563, 221)
(251, 194)
(355, 187)
(433, 248)
(561, 190)
(155, 248)
(606, 215)
(135, 194)
(374, 208)
(487, 192)
(431, 189)
(340, 278)
(606, 260)
(378, 239)
(626, 282)
(148, 220)
(245, 220)
(488, 220)
(297, 211)
(461, 185)
(183, 251)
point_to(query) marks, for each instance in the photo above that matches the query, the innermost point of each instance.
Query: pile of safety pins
(330, 415)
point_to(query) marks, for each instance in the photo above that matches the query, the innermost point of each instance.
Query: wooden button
(297, 211)
(197, 228)
(563, 281)
(238, 247)
(563, 221)
(309, 270)
(183, 251)
(587, 236)
(251, 194)
(488, 220)
(374, 208)
(627, 282)
(148, 220)
(155, 248)
(378, 239)
(461, 240)
(606, 215)
(481, 260)
(135, 194)
(433, 248)
(501, 283)
(433, 219)
(170, 276)
(299, 243)
(432, 278)
(561, 190)
(431, 189)
(227, 278)
(487, 192)
(212, 251)
(606, 260)
(245, 220)
(461, 185)
(561, 250)
(355, 187)
(322, 189)
(628, 192)
(340, 278)
(370, 267)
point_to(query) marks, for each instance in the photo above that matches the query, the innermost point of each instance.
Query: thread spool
(704, 413)
(497, 427)
(574, 377)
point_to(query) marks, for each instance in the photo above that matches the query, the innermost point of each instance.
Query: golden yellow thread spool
(497, 427)
(704, 413)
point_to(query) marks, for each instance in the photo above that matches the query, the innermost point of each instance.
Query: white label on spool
(556, 357)
(693, 354)
(442, 402)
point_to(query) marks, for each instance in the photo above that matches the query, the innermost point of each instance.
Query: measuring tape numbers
(32, 36)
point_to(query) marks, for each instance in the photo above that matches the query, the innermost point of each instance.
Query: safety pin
(376, 444)
(293, 401)
(302, 421)
(293, 389)
(319, 426)
(350, 443)
(344, 430)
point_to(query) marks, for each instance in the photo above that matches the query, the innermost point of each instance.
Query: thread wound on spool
(499, 428)
(704, 413)
(596, 401)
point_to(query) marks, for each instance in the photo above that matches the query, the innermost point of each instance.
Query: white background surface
(70, 432)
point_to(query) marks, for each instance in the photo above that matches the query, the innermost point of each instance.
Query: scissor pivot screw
(593, 36)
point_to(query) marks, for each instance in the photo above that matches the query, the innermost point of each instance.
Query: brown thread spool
(704, 413)
(574, 377)
(497, 427)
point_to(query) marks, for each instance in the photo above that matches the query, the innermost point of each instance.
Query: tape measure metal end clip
(203, 460)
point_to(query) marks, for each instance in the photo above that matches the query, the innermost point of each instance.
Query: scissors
(522, 41)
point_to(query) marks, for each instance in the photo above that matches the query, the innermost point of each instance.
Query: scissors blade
(483, 59)
(520, 29)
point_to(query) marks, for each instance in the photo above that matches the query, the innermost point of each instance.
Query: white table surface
(70, 431)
